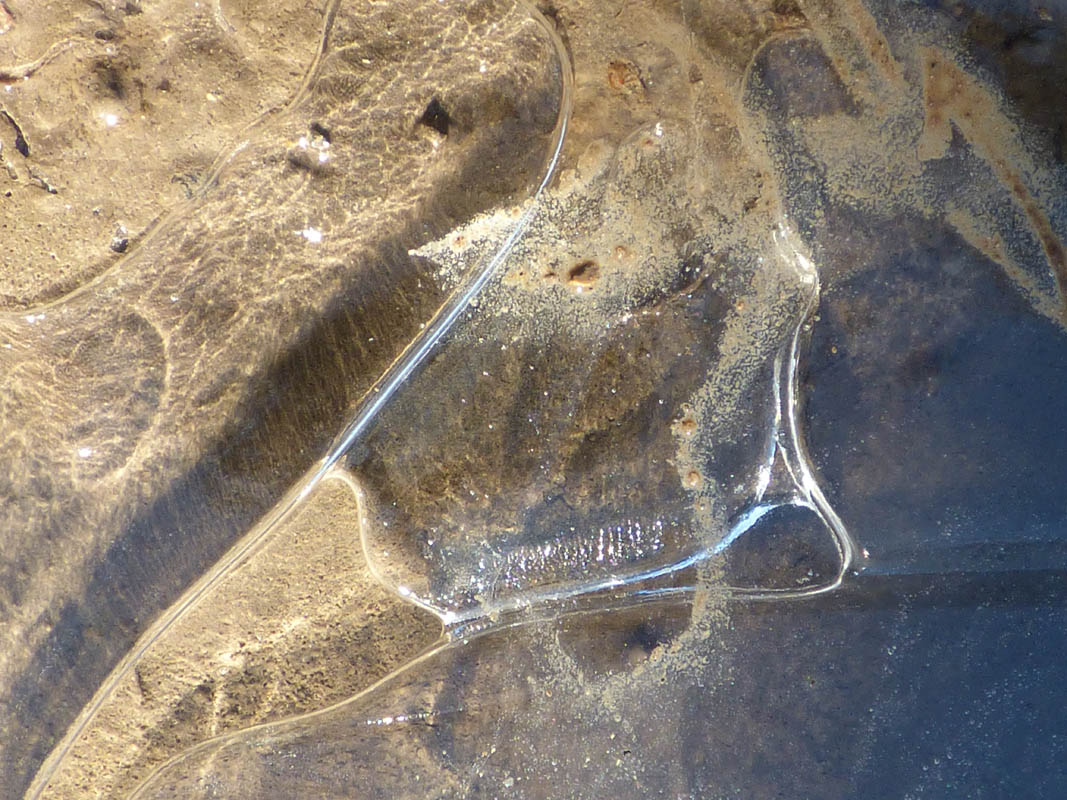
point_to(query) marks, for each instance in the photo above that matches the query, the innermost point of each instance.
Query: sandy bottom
(300, 624)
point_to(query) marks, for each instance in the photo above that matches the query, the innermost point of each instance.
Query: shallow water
(728, 462)
(152, 415)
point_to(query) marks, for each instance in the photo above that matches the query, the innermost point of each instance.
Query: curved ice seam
(466, 623)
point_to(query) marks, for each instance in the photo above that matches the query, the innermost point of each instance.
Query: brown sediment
(125, 113)
(584, 274)
(623, 75)
(298, 625)
(993, 247)
(154, 415)
(954, 98)
(876, 149)
(851, 36)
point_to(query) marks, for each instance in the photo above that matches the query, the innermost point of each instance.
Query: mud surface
(301, 624)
